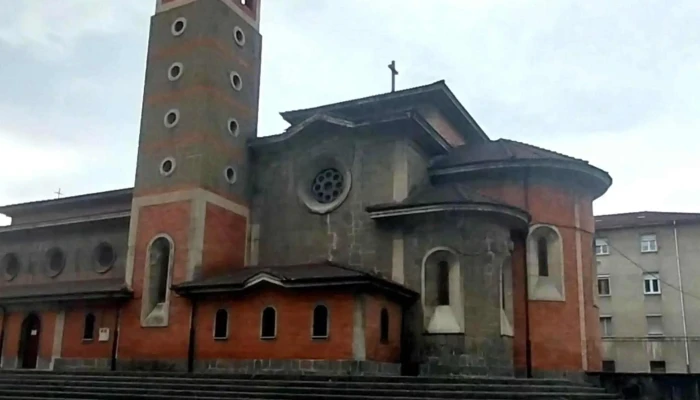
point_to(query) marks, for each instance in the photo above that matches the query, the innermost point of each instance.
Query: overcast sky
(614, 82)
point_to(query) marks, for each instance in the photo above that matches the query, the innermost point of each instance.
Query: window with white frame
(603, 285)
(602, 247)
(648, 244)
(652, 284)
(606, 327)
(655, 325)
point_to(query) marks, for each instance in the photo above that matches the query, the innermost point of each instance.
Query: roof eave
(117, 295)
(399, 210)
(13, 209)
(603, 178)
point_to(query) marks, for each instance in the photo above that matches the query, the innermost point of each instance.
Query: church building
(381, 235)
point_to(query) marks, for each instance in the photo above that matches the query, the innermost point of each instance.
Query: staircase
(34, 385)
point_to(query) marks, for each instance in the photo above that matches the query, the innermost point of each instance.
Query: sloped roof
(498, 150)
(321, 274)
(446, 197)
(437, 94)
(642, 219)
(65, 291)
(120, 195)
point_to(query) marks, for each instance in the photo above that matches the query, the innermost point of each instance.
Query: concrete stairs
(35, 385)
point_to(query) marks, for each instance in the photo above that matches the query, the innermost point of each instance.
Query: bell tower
(190, 209)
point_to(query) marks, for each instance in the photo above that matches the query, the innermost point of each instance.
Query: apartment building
(648, 266)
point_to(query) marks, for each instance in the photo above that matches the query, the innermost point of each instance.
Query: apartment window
(604, 285)
(655, 325)
(608, 366)
(606, 328)
(652, 285)
(658, 367)
(648, 243)
(602, 248)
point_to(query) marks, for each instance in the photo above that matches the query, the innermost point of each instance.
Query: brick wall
(73, 344)
(294, 317)
(224, 241)
(136, 342)
(555, 330)
(376, 350)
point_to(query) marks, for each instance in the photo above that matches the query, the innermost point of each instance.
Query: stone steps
(124, 386)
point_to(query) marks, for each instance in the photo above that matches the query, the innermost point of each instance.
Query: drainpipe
(528, 342)
(192, 336)
(680, 289)
(115, 337)
(2, 335)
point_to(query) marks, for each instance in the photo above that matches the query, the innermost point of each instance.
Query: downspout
(192, 338)
(528, 342)
(680, 289)
(2, 335)
(115, 337)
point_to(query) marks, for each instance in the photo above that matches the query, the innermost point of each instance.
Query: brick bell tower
(190, 208)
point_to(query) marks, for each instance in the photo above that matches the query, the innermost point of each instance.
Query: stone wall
(304, 367)
(650, 386)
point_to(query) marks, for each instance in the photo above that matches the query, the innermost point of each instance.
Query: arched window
(384, 326)
(443, 283)
(542, 257)
(159, 268)
(545, 264)
(268, 323)
(221, 324)
(89, 327)
(320, 322)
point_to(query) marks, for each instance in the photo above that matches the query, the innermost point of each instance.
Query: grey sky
(614, 82)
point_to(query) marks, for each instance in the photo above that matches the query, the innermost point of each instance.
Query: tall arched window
(268, 323)
(320, 322)
(443, 283)
(542, 257)
(384, 326)
(159, 257)
(89, 327)
(221, 324)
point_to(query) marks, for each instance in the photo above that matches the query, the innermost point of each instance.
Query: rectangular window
(602, 248)
(606, 328)
(655, 325)
(648, 243)
(603, 286)
(608, 366)
(652, 284)
(658, 367)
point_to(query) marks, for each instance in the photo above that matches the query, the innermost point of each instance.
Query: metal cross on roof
(58, 193)
(394, 72)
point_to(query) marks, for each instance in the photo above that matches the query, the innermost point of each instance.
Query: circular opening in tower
(179, 26)
(239, 36)
(230, 175)
(236, 80)
(167, 166)
(10, 266)
(171, 118)
(175, 71)
(327, 186)
(56, 261)
(233, 127)
(105, 256)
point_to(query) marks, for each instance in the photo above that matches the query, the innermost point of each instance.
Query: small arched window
(320, 322)
(89, 327)
(221, 325)
(443, 283)
(268, 323)
(542, 257)
(384, 326)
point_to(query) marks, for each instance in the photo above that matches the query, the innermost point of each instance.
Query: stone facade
(417, 237)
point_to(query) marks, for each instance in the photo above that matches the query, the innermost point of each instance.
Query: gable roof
(643, 219)
(437, 94)
(321, 274)
(120, 195)
(447, 197)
